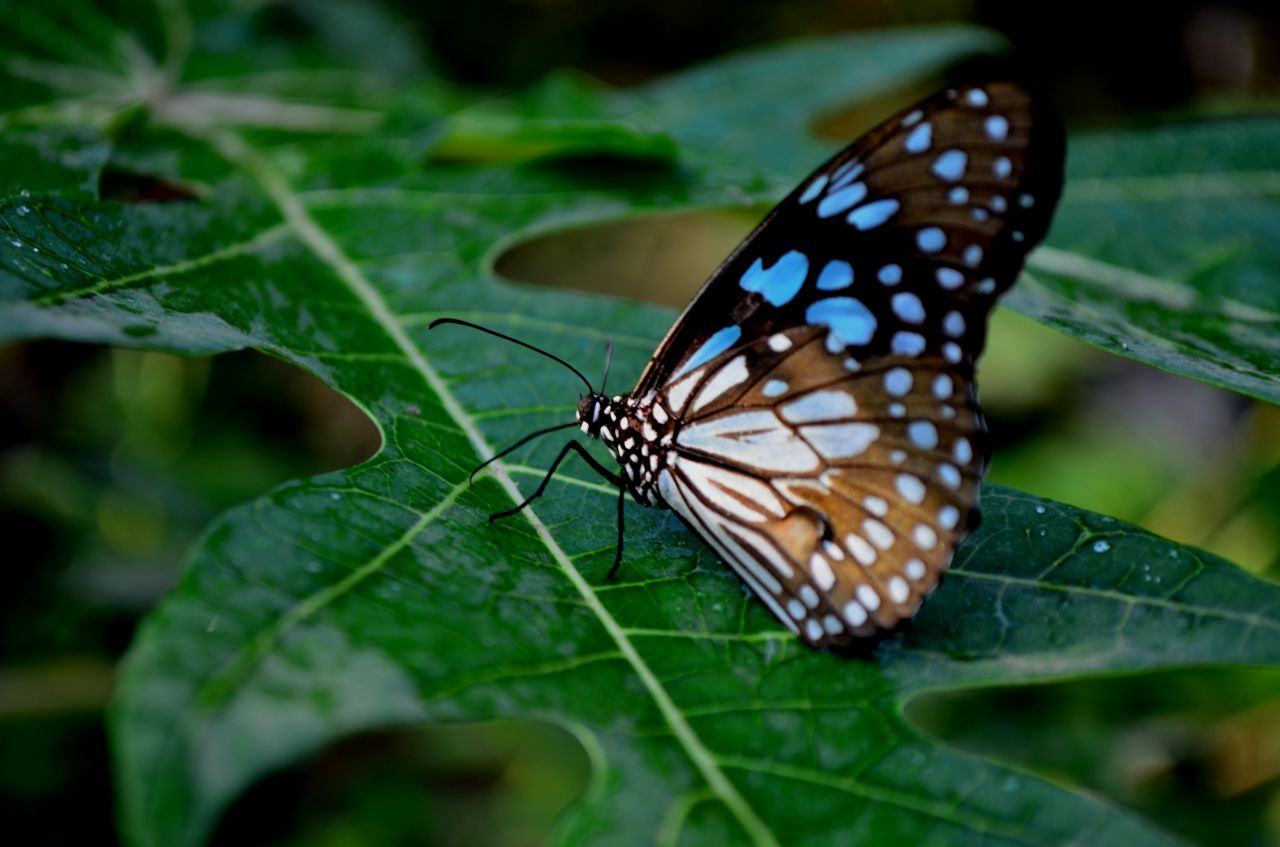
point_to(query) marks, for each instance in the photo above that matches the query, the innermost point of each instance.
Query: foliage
(326, 213)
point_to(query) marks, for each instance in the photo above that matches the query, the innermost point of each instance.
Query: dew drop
(23, 210)
(1101, 546)
(1040, 510)
(335, 496)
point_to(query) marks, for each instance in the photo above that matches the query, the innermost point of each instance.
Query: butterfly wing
(831, 444)
(963, 183)
(838, 495)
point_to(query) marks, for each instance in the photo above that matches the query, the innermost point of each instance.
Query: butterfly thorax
(639, 436)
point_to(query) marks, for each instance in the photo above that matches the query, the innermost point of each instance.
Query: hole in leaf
(443, 786)
(128, 187)
(113, 461)
(1196, 751)
(659, 258)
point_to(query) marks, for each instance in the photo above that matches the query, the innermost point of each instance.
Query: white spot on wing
(899, 591)
(861, 550)
(820, 406)
(923, 434)
(678, 393)
(715, 483)
(910, 487)
(948, 516)
(868, 597)
(879, 534)
(731, 374)
(821, 571)
(841, 441)
(756, 438)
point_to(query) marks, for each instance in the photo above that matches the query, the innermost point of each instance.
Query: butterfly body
(812, 414)
(638, 434)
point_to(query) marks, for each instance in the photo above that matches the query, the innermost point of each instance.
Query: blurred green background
(112, 462)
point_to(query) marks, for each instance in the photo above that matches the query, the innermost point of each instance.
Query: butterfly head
(592, 413)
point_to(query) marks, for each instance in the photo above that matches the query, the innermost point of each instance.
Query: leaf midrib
(240, 154)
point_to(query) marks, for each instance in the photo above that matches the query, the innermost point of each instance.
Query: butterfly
(812, 415)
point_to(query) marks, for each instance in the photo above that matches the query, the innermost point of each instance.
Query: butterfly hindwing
(838, 495)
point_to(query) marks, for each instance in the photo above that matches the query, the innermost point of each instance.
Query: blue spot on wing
(950, 165)
(837, 274)
(839, 201)
(872, 215)
(712, 347)
(780, 283)
(847, 317)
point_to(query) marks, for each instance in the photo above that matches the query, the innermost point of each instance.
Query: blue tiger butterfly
(812, 414)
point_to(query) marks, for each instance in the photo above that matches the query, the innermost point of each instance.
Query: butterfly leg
(617, 553)
(574, 446)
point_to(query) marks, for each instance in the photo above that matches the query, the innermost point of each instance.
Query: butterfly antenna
(438, 321)
(608, 360)
(517, 446)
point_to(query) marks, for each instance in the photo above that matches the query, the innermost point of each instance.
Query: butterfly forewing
(830, 444)
(946, 198)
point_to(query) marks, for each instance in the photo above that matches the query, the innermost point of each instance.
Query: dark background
(112, 462)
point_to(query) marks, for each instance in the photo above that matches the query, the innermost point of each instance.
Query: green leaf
(1166, 249)
(322, 231)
